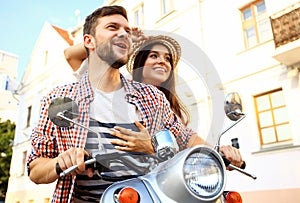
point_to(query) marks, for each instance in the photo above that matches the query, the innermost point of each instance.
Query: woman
(153, 61)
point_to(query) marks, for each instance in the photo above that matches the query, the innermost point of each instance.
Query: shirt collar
(131, 87)
(84, 88)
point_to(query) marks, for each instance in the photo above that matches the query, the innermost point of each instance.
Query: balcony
(286, 33)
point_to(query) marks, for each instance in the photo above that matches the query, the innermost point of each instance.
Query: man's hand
(71, 157)
(44, 170)
(232, 154)
(132, 141)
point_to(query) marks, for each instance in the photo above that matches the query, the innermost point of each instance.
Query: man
(105, 98)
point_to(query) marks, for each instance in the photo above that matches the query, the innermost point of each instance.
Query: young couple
(105, 97)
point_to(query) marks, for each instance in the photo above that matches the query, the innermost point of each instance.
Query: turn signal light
(233, 197)
(128, 195)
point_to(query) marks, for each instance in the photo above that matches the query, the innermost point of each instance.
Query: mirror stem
(217, 147)
(100, 145)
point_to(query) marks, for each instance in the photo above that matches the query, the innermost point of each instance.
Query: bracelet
(58, 169)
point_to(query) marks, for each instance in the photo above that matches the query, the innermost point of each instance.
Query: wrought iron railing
(286, 28)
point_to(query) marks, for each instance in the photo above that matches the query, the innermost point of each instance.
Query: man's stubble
(106, 53)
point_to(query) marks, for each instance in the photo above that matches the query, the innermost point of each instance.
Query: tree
(7, 132)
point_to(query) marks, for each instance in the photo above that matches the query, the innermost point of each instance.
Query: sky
(21, 22)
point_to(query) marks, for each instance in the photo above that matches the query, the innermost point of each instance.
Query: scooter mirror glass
(233, 106)
(65, 106)
(165, 144)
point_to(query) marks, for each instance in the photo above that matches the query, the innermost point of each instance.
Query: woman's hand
(137, 34)
(131, 141)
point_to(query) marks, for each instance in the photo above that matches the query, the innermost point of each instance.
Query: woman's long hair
(167, 87)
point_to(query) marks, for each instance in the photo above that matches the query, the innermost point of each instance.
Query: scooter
(196, 174)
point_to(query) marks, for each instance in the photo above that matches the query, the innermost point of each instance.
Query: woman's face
(157, 67)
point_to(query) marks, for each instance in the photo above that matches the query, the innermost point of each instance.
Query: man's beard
(107, 54)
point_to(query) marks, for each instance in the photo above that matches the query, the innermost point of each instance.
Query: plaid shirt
(49, 140)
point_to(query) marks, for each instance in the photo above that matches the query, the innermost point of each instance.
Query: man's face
(113, 41)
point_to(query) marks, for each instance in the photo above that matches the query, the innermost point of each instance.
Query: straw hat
(167, 41)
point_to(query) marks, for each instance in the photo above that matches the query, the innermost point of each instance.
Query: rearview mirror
(233, 106)
(65, 106)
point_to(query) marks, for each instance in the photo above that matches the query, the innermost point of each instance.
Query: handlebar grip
(88, 157)
(227, 162)
(243, 166)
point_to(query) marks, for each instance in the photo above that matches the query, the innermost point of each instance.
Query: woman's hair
(167, 87)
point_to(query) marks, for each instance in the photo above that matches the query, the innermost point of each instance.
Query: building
(266, 73)
(8, 73)
(47, 68)
(247, 46)
(254, 47)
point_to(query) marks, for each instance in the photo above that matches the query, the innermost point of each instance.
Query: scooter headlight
(204, 174)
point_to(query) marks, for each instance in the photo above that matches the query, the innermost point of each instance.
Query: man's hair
(91, 20)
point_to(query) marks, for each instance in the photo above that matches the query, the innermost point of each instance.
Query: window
(4, 80)
(28, 116)
(166, 6)
(22, 168)
(256, 24)
(272, 117)
(46, 57)
(139, 16)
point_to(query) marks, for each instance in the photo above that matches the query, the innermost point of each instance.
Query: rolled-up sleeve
(172, 122)
(43, 139)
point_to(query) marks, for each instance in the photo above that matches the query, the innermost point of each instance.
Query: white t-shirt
(111, 107)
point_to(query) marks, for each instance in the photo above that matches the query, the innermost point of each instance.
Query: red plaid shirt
(49, 140)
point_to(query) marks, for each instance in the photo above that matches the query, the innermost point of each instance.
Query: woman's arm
(75, 55)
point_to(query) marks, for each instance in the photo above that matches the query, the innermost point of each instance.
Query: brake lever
(230, 166)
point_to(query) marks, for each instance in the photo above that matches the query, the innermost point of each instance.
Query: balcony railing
(286, 28)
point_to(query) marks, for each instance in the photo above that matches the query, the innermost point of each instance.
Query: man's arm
(43, 170)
